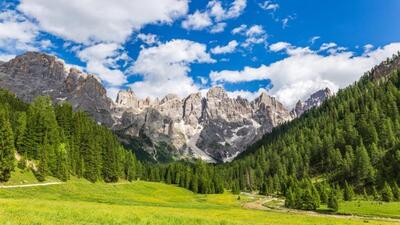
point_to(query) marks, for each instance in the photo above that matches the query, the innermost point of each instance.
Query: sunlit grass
(80, 202)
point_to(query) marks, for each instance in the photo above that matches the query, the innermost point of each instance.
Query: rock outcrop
(34, 74)
(314, 100)
(213, 128)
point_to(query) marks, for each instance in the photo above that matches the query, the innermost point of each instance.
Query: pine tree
(387, 194)
(348, 192)
(333, 203)
(62, 164)
(363, 167)
(7, 149)
(290, 199)
(20, 133)
(396, 191)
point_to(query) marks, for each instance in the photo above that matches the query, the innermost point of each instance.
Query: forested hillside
(59, 142)
(52, 140)
(350, 143)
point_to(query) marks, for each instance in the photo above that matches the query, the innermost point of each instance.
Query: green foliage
(348, 192)
(333, 203)
(387, 194)
(7, 149)
(351, 140)
(59, 142)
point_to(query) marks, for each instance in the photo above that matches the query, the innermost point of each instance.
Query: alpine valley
(214, 127)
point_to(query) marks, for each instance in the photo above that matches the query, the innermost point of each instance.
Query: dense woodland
(350, 145)
(52, 140)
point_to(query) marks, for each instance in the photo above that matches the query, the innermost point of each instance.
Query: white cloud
(149, 39)
(268, 5)
(218, 28)
(254, 34)
(6, 57)
(314, 39)
(214, 13)
(197, 21)
(100, 20)
(247, 94)
(326, 46)
(289, 48)
(279, 46)
(301, 74)
(239, 29)
(230, 47)
(17, 33)
(101, 59)
(368, 48)
(165, 68)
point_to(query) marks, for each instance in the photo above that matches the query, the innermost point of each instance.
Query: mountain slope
(353, 137)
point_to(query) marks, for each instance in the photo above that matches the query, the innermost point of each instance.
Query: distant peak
(217, 92)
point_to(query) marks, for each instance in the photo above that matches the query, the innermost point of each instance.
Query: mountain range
(214, 127)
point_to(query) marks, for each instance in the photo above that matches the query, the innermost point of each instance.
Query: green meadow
(81, 202)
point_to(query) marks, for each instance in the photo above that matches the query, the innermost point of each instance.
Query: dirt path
(259, 204)
(31, 185)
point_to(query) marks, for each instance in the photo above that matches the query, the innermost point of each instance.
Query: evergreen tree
(396, 191)
(333, 203)
(62, 164)
(290, 199)
(348, 192)
(20, 133)
(387, 194)
(7, 149)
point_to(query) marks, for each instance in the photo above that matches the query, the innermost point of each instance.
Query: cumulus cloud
(149, 39)
(304, 72)
(214, 14)
(17, 33)
(197, 21)
(230, 47)
(101, 59)
(254, 34)
(165, 68)
(100, 20)
(218, 28)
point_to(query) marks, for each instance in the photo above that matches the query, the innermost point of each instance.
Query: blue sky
(286, 48)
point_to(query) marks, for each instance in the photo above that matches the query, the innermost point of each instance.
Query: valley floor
(80, 202)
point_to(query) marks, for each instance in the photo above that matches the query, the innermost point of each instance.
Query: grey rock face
(34, 74)
(314, 100)
(213, 128)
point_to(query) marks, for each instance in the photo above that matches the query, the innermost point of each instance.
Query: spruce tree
(20, 133)
(387, 194)
(333, 203)
(348, 192)
(7, 149)
(396, 191)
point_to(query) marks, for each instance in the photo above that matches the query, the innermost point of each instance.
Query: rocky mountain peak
(217, 92)
(36, 64)
(213, 128)
(33, 74)
(169, 97)
(316, 99)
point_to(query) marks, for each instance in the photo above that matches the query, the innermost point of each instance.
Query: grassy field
(371, 208)
(80, 202)
(24, 177)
